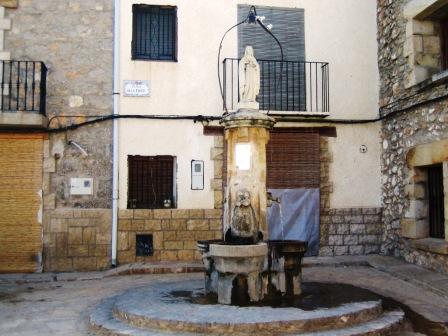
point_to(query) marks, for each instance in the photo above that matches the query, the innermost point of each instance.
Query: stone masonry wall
(348, 231)
(396, 60)
(415, 115)
(77, 239)
(75, 41)
(175, 233)
(217, 183)
(419, 126)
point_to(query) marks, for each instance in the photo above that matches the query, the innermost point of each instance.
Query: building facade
(412, 61)
(56, 71)
(170, 100)
(360, 170)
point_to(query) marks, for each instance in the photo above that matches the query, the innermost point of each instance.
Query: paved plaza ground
(59, 304)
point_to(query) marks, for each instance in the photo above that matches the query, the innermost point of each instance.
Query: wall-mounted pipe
(115, 143)
(79, 147)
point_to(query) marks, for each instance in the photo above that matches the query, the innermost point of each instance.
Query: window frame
(138, 178)
(146, 8)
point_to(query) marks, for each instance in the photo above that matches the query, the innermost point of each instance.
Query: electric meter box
(197, 175)
(81, 186)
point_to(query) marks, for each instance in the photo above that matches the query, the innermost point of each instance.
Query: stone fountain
(247, 265)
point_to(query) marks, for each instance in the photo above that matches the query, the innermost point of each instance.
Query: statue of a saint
(249, 72)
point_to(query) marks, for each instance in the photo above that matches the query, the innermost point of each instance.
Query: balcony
(286, 88)
(23, 86)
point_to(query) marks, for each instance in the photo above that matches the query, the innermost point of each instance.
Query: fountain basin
(239, 259)
(285, 267)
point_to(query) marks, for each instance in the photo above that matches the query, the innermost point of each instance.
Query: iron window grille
(23, 86)
(154, 33)
(151, 182)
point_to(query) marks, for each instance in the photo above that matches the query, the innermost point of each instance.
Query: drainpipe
(116, 111)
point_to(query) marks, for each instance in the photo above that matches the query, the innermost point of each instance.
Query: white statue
(249, 73)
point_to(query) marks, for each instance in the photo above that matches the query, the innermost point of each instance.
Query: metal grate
(150, 182)
(144, 245)
(23, 86)
(436, 202)
(285, 86)
(154, 32)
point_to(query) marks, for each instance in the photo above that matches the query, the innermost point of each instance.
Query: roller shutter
(20, 202)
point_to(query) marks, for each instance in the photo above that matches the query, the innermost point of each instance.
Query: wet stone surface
(63, 307)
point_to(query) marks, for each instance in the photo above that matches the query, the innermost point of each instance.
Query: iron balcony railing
(285, 85)
(23, 86)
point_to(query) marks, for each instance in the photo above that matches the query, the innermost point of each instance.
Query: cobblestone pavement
(61, 307)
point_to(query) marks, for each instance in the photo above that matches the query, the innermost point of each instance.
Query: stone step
(152, 307)
(324, 319)
(386, 324)
(102, 322)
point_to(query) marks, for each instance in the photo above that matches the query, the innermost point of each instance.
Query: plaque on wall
(136, 88)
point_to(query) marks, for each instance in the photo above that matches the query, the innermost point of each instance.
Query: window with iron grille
(151, 182)
(154, 33)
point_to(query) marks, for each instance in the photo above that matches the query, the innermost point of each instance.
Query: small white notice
(136, 88)
(81, 186)
(243, 156)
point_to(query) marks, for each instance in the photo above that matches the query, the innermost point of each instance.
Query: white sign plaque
(136, 88)
(243, 156)
(81, 186)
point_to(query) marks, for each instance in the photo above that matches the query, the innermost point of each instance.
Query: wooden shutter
(292, 158)
(277, 79)
(20, 202)
(288, 27)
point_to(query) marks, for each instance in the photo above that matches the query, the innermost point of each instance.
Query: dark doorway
(436, 202)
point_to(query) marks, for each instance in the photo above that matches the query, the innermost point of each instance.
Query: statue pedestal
(246, 129)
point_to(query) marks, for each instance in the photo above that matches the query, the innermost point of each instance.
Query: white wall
(356, 176)
(342, 33)
(184, 141)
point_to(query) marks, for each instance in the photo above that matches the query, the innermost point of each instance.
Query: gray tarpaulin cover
(296, 217)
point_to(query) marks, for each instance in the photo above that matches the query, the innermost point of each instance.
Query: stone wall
(77, 239)
(74, 39)
(419, 126)
(347, 231)
(413, 116)
(401, 50)
(217, 183)
(175, 233)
